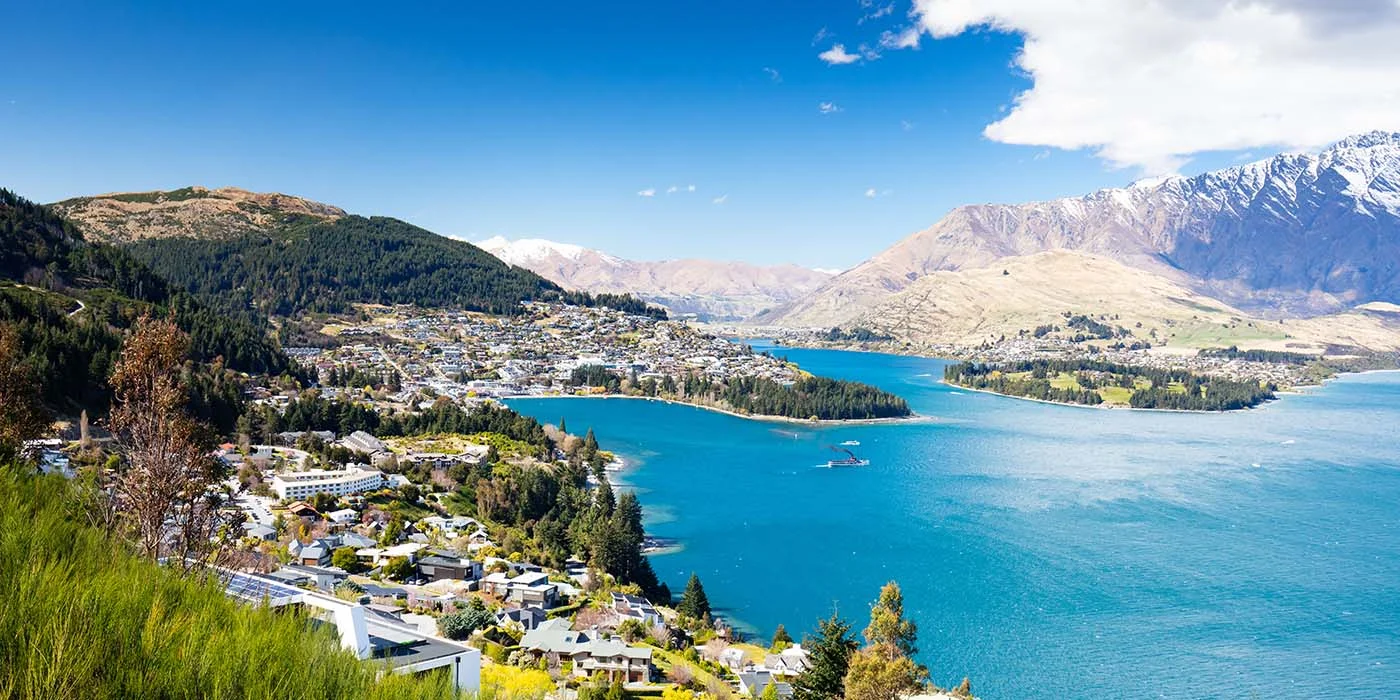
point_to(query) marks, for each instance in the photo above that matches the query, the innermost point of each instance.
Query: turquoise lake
(1048, 551)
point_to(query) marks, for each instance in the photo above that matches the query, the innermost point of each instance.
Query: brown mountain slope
(1019, 294)
(196, 212)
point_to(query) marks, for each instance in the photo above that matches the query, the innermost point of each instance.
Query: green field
(1207, 335)
(1112, 395)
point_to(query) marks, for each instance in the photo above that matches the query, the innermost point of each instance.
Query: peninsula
(399, 355)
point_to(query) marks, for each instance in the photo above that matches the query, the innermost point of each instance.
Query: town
(535, 353)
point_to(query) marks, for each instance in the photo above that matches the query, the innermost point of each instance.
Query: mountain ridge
(711, 289)
(1295, 234)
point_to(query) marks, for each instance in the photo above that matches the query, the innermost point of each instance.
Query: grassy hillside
(85, 619)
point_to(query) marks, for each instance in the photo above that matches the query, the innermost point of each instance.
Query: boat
(851, 443)
(851, 460)
(848, 462)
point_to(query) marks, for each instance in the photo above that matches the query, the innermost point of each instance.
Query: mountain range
(711, 290)
(1297, 235)
(1297, 250)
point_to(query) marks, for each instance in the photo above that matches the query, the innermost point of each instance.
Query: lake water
(1049, 551)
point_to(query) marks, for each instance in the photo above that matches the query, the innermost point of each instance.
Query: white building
(378, 638)
(343, 482)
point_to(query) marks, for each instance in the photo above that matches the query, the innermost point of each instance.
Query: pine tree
(563, 428)
(887, 623)
(694, 603)
(781, 639)
(829, 658)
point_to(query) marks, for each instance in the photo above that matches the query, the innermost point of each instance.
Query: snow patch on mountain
(528, 250)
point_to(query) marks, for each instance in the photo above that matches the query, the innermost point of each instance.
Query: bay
(1048, 551)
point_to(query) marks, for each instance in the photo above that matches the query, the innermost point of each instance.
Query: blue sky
(538, 119)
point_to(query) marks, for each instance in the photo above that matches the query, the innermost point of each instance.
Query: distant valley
(711, 290)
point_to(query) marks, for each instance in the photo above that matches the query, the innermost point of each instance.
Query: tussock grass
(81, 617)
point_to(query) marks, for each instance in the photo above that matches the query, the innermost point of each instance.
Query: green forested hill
(70, 301)
(325, 266)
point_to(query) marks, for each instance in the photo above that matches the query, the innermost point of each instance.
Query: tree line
(326, 266)
(1274, 356)
(821, 398)
(1193, 392)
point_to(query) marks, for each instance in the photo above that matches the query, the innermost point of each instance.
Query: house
(527, 618)
(632, 607)
(356, 540)
(377, 556)
(590, 652)
(384, 594)
(732, 658)
(344, 517)
(754, 683)
(322, 577)
(291, 438)
(530, 589)
(361, 441)
(440, 566)
(791, 662)
(317, 553)
(261, 532)
(302, 509)
(450, 528)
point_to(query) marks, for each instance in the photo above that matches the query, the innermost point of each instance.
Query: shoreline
(911, 418)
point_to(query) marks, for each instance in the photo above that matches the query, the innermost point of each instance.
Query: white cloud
(907, 38)
(672, 189)
(720, 199)
(871, 193)
(838, 56)
(822, 34)
(828, 108)
(648, 192)
(1148, 84)
(690, 188)
(876, 13)
(773, 74)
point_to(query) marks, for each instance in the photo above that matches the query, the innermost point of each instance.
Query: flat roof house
(372, 636)
(440, 566)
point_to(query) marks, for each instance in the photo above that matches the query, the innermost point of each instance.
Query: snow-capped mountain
(1296, 234)
(713, 290)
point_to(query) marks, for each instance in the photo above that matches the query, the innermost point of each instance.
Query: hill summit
(191, 212)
